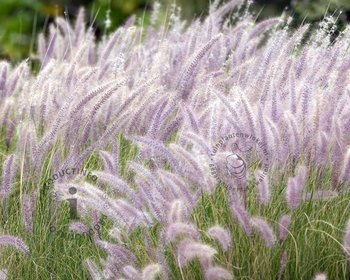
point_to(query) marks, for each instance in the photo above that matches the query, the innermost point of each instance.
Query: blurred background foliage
(22, 20)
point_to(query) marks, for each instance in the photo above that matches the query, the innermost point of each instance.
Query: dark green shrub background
(21, 20)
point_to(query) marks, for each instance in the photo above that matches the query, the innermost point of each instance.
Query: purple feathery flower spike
(263, 188)
(284, 227)
(221, 235)
(3, 274)
(266, 232)
(189, 249)
(8, 176)
(217, 273)
(295, 188)
(15, 242)
(346, 240)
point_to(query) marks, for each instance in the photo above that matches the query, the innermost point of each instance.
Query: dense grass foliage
(214, 149)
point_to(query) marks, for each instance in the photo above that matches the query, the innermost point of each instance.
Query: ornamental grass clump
(220, 147)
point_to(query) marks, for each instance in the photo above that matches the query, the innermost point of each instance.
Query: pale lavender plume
(174, 91)
(111, 268)
(115, 155)
(3, 76)
(128, 210)
(119, 186)
(79, 26)
(321, 276)
(97, 105)
(159, 148)
(346, 240)
(108, 162)
(264, 25)
(131, 272)
(93, 93)
(265, 230)
(8, 175)
(116, 234)
(189, 249)
(176, 211)
(120, 253)
(242, 216)
(178, 186)
(217, 273)
(3, 274)
(176, 229)
(344, 176)
(283, 263)
(172, 128)
(295, 188)
(15, 242)
(302, 175)
(283, 227)
(11, 129)
(156, 118)
(186, 78)
(28, 210)
(222, 235)
(263, 187)
(249, 114)
(151, 271)
(294, 194)
(191, 119)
